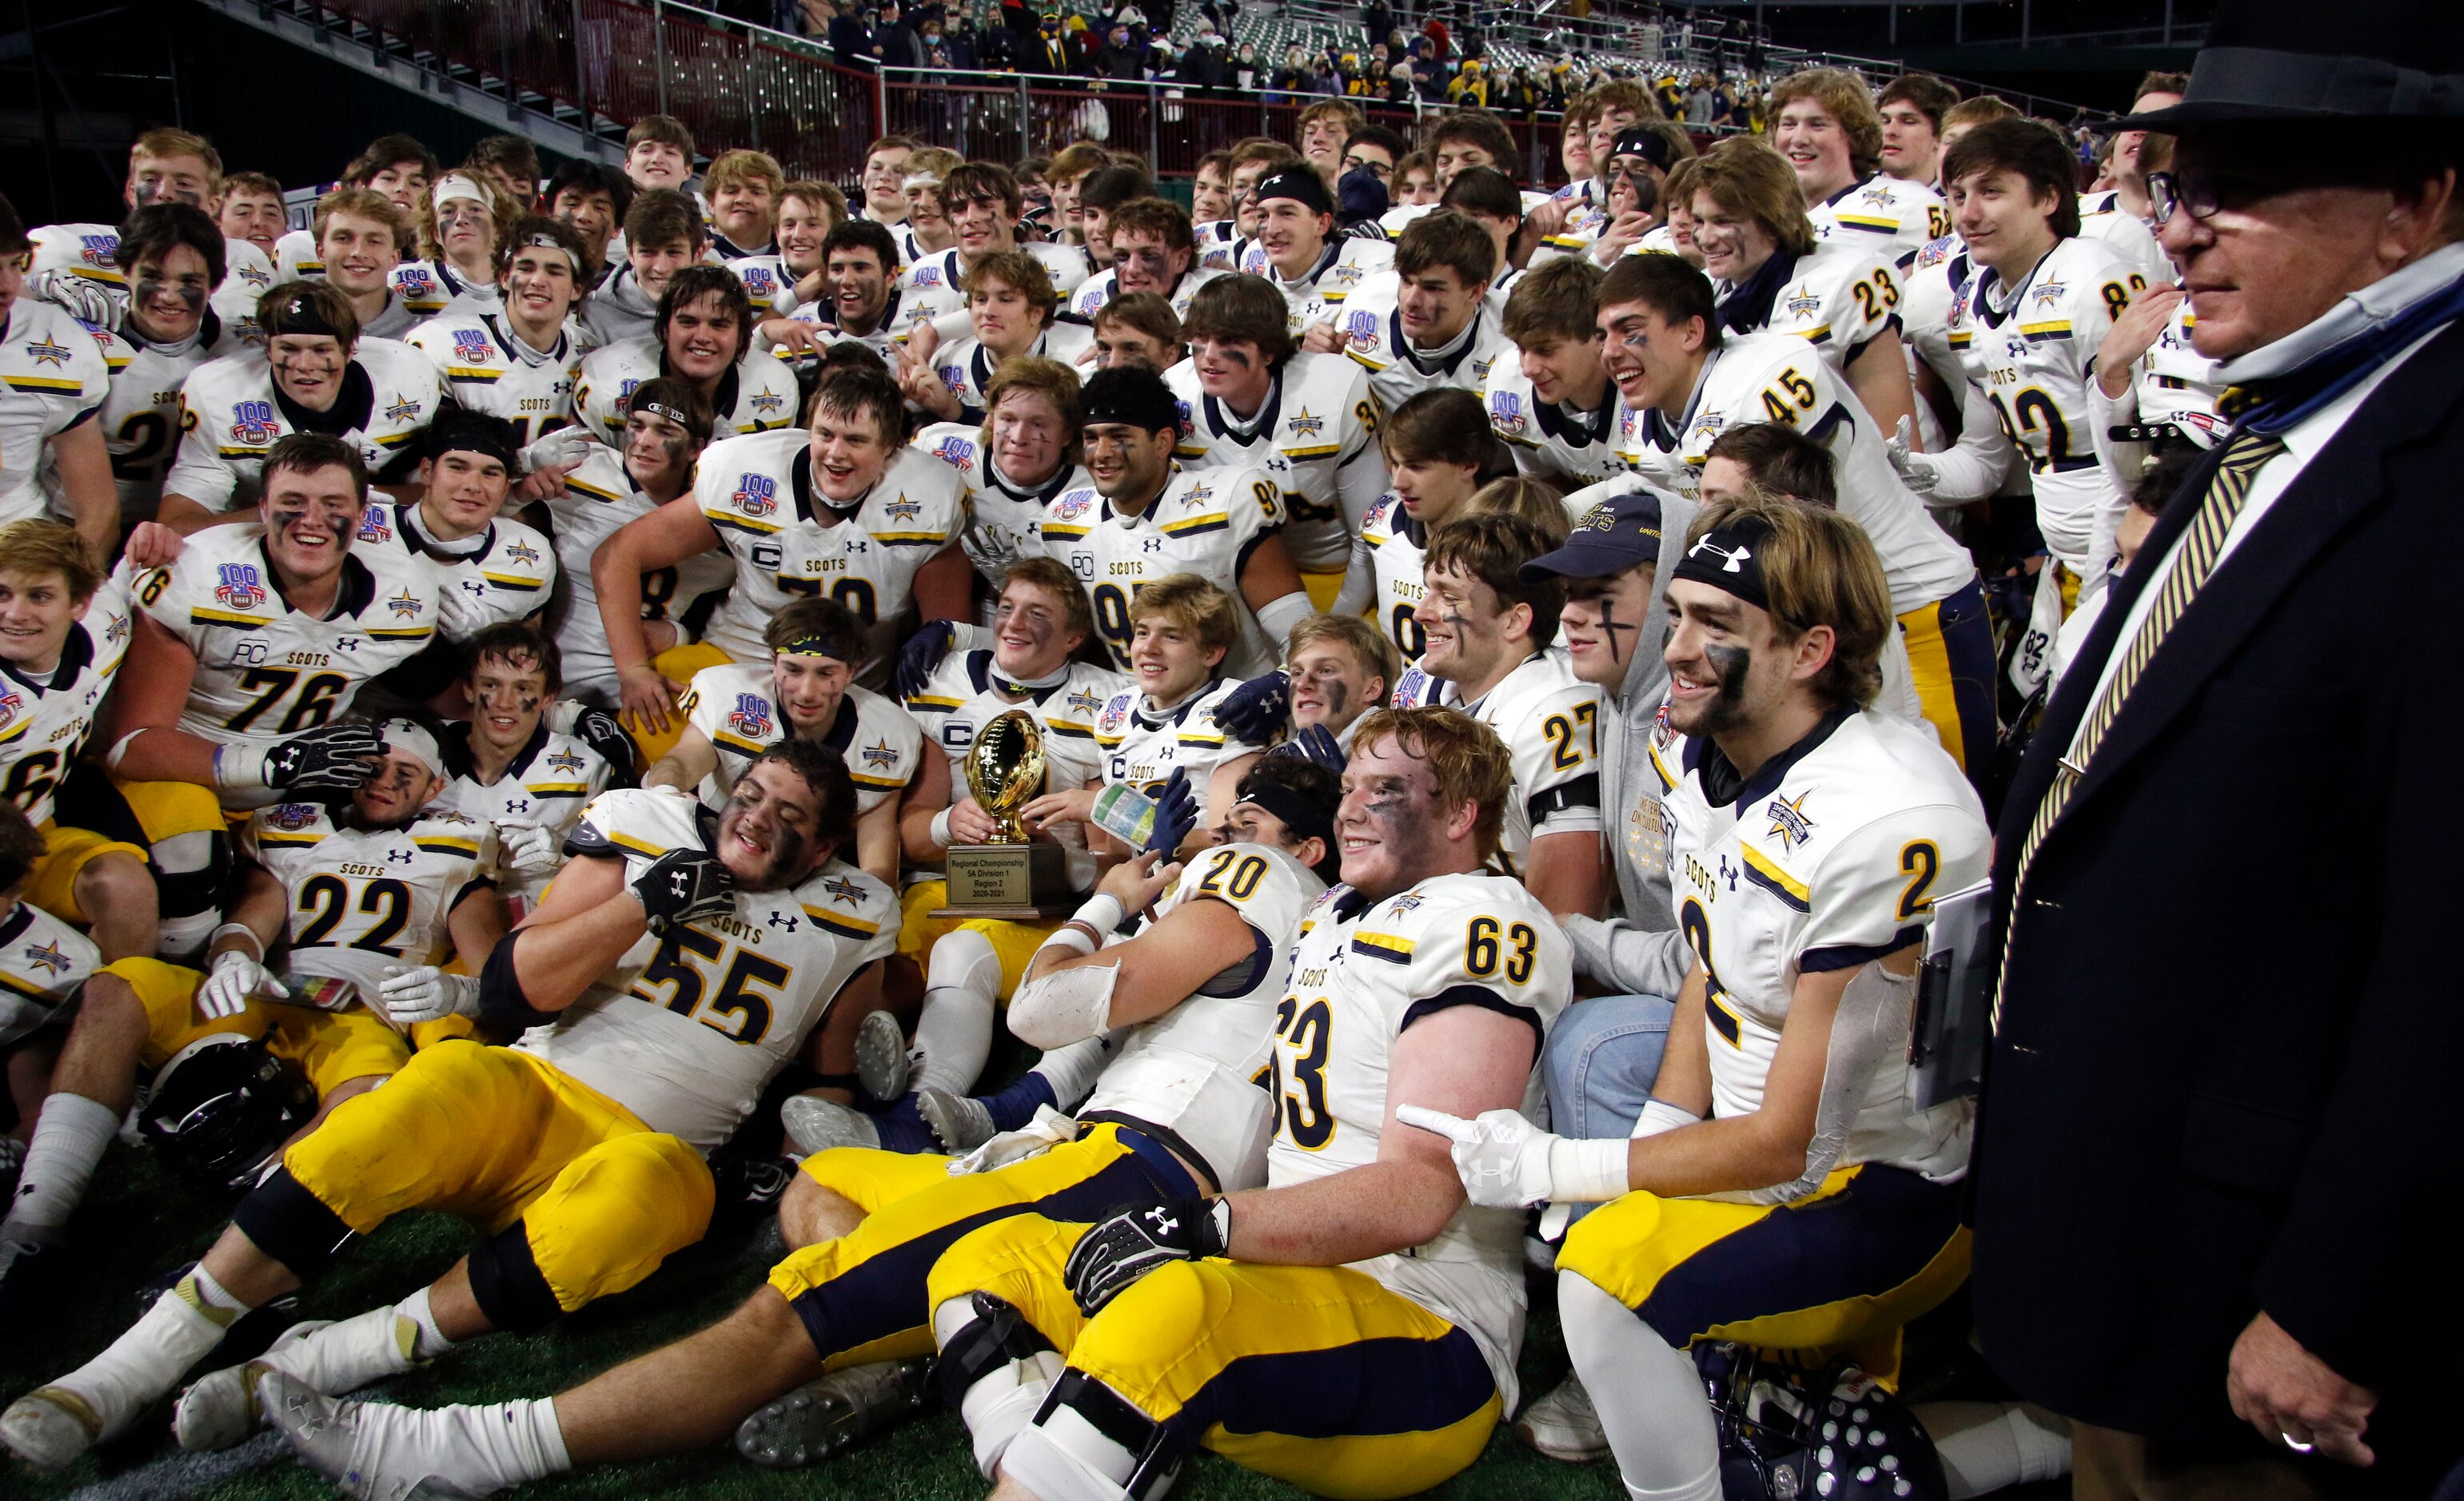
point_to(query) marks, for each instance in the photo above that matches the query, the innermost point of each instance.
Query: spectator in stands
(1376, 19)
(852, 43)
(894, 42)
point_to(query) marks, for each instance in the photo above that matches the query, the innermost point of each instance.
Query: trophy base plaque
(1017, 883)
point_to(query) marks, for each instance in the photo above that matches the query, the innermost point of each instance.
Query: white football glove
(991, 549)
(562, 449)
(426, 993)
(1507, 1162)
(526, 848)
(462, 612)
(1916, 471)
(85, 300)
(232, 980)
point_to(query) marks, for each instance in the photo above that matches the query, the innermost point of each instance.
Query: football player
(1911, 106)
(659, 153)
(511, 769)
(1684, 381)
(395, 168)
(1768, 272)
(64, 632)
(173, 255)
(1337, 668)
(1823, 121)
(253, 210)
(844, 509)
(1021, 457)
(1163, 724)
(1138, 328)
(362, 239)
(1489, 631)
(1395, 1308)
(490, 567)
(1297, 251)
(359, 889)
(703, 334)
(735, 712)
(519, 360)
(462, 220)
(1550, 399)
(593, 1174)
(1247, 396)
(54, 376)
(1436, 446)
(666, 425)
(1174, 1116)
(983, 200)
(43, 963)
(1427, 325)
(1009, 311)
(1785, 1086)
(743, 188)
(1147, 517)
(1221, 243)
(372, 395)
(859, 293)
(1153, 250)
(593, 198)
(885, 168)
(663, 235)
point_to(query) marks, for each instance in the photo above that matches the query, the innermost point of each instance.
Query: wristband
(1102, 913)
(120, 749)
(240, 768)
(1220, 1210)
(1587, 1172)
(241, 928)
(1658, 1115)
(1071, 936)
(941, 827)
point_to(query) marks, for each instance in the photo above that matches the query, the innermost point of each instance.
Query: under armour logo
(857, 545)
(347, 643)
(1152, 544)
(782, 920)
(680, 882)
(1165, 1223)
(1727, 874)
(1732, 561)
(518, 805)
(400, 857)
(474, 588)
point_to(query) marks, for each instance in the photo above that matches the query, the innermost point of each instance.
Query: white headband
(401, 735)
(461, 185)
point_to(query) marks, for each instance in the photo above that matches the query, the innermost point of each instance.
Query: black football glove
(600, 730)
(922, 653)
(1125, 1248)
(1176, 812)
(332, 758)
(1317, 744)
(1258, 710)
(684, 886)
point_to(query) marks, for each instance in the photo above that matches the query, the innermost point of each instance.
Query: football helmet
(1836, 1434)
(222, 1108)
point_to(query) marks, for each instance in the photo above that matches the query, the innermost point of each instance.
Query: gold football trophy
(1010, 875)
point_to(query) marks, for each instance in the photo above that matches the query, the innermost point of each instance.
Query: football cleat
(50, 1427)
(1563, 1424)
(826, 1417)
(882, 1064)
(816, 1124)
(960, 1121)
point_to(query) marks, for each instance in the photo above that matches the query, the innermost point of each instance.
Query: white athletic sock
(955, 1030)
(1072, 1071)
(149, 1361)
(70, 1137)
(1649, 1398)
(346, 1356)
(510, 1442)
(1987, 1445)
(427, 1341)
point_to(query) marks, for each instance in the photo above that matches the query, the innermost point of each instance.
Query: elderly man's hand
(2292, 1397)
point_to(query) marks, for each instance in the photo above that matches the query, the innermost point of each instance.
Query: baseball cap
(1620, 533)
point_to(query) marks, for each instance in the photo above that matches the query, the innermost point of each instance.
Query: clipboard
(1952, 1022)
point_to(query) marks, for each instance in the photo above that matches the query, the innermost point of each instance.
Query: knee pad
(507, 1284)
(292, 1224)
(995, 1372)
(1088, 1445)
(963, 959)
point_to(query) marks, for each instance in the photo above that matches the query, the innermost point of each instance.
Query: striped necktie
(2227, 492)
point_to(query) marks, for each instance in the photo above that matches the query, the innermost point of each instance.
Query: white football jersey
(598, 498)
(140, 417)
(230, 413)
(487, 369)
(1884, 216)
(1363, 971)
(264, 670)
(1219, 244)
(1143, 746)
(1774, 378)
(1396, 542)
(366, 900)
(1548, 440)
(429, 288)
(787, 540)
(1932, 285)
(91, 253)
(735, 707)
(933, 285)
(1318, 294)
(296, 255)
(768, 284)
(1837, 299)
(1549, 720)
(965, 367)
(1316, 437)
(54, 373)
(686, 1031)
(1105, 285)
(43, 962)
(2102, 217)
(2176, 383)
(2030, 349)
(510, 576)
(1206, 522)
(1829, 856)
(44, 725)
(1193, 1072)
(1372, 325)
(547, 783)
(967, 690)
(1007, 516)
(757, 394)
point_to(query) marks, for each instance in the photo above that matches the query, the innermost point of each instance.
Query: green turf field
(140, 1222)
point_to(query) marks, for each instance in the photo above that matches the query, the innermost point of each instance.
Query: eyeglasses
(2202, 192)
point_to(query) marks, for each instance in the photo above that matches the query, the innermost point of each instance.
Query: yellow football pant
(1318, 1375)
(679, 663)
(920, 926)
(863, 1296)
(496, 1137)
(1322, 589)
(1950, 663)
(332, 1048)
(52, 885)
(1846, 1268)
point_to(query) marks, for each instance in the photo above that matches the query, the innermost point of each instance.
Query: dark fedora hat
(2291, 60)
